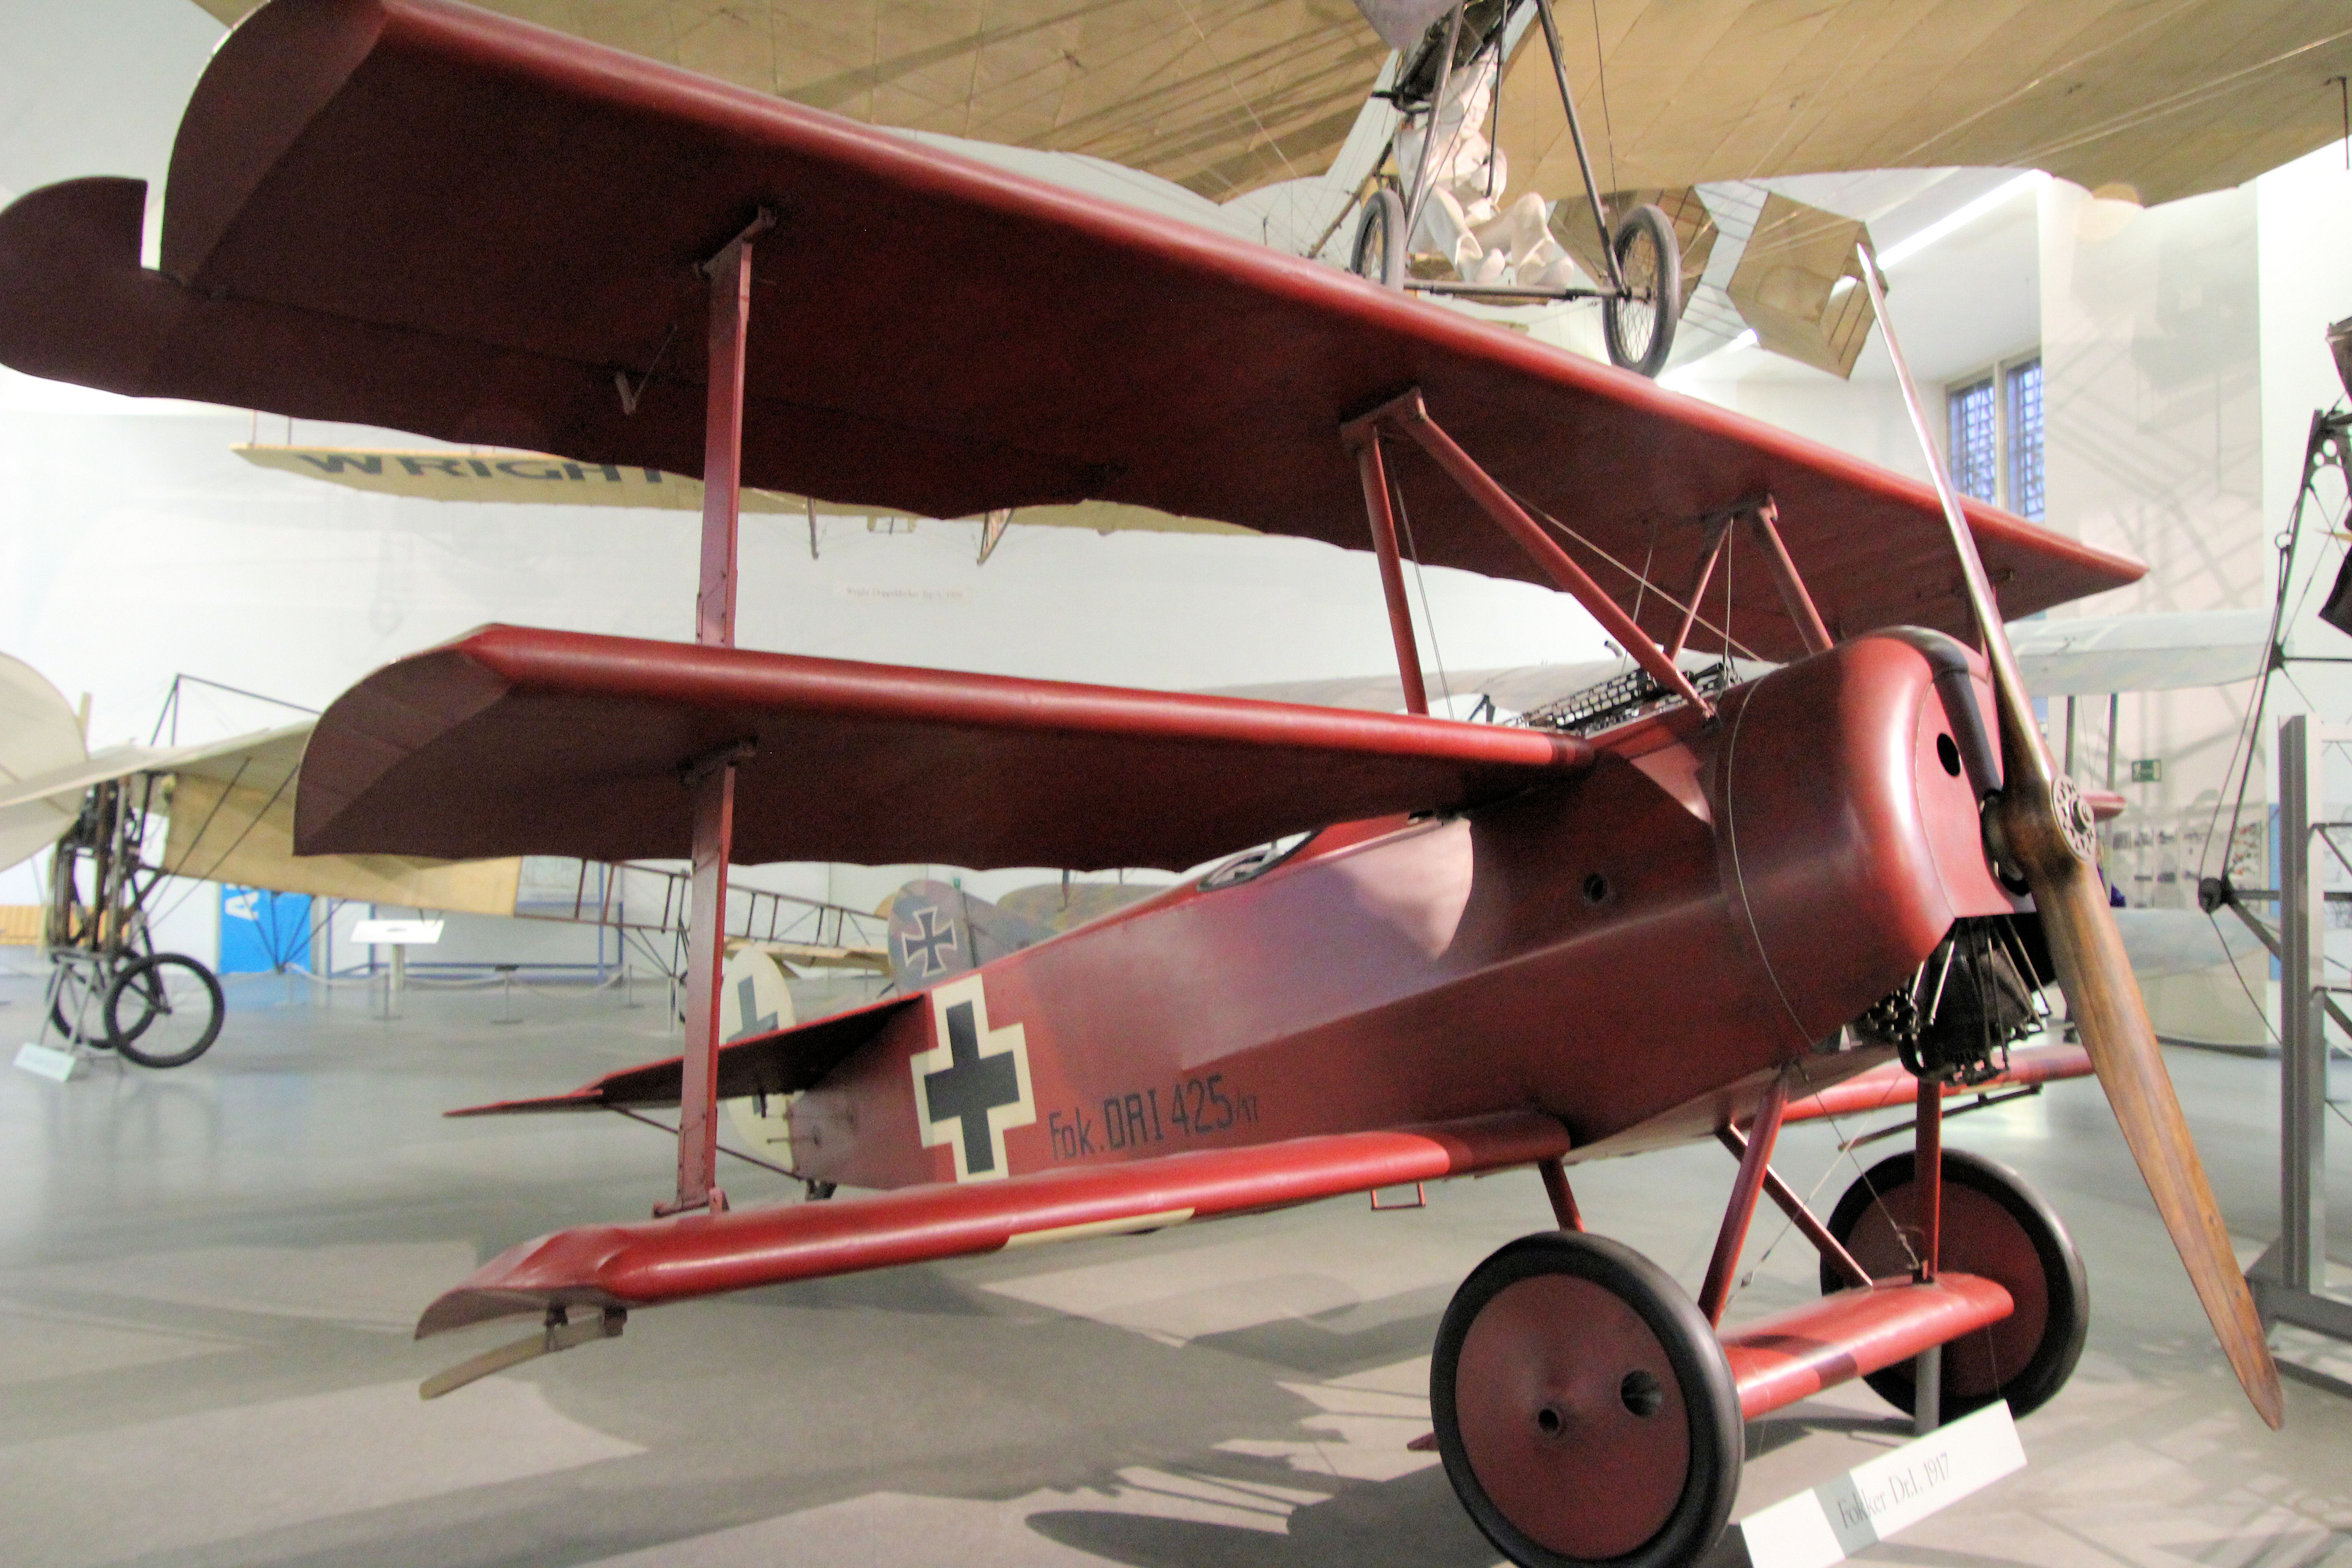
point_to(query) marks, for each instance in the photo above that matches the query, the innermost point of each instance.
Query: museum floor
(207, 1279)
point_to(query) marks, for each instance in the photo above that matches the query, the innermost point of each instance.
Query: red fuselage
(1630, 950)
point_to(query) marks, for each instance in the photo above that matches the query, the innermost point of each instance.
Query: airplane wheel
(1584, 1409)
(1993, 1226)
(1379, 250)
(1639, 324)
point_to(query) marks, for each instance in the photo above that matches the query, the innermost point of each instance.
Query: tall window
(1995, 436)
(2024, 386)
(1975, 445)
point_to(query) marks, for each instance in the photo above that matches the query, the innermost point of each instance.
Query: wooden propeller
(2042, 826)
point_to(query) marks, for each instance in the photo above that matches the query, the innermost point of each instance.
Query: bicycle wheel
(1379, 250)
(164, 1011)
(1639, 324)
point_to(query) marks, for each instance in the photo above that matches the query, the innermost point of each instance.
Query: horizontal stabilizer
(784, 1061)
(703, 1254)
(515, 741)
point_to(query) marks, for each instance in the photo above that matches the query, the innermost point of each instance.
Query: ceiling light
(1952, 223)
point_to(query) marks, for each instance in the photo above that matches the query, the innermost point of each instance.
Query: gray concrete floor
(207, 1279)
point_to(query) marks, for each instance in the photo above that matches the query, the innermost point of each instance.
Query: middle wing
(515, 741)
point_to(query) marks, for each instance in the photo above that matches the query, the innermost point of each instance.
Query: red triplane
(1685, 907)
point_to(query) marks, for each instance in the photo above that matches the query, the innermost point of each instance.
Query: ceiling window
(2022, 386)
(1975, 442)
(1994, 436)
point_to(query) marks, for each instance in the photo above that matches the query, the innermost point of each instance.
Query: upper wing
(412, 213)
(509, 740)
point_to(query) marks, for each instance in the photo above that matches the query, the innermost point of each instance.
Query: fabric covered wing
(703, 1254)
(415, 215)
(514, 742)
(784, 1061)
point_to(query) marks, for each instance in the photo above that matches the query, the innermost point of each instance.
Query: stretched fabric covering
(1218, 96)
(415, 215)
(2159, 103)
(510, 740)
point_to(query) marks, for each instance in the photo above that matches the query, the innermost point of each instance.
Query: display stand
(399, 936)
(2290, 1280)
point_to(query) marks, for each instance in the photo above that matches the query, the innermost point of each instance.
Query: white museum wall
(2151, 366)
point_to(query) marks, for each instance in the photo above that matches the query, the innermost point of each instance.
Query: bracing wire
(1437, 657)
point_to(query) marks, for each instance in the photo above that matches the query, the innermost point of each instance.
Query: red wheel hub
(1570, 1414)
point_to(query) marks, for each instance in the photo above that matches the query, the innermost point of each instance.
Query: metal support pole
(2070, 737)
(2302, 1029)
(1928, 1178)
(1616, 279)
(1373, 472)
(712, 785)
(1754, 1162)
(1418, 196)
(2116, 711)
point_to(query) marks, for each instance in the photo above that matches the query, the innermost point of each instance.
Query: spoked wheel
(1584, 1409)
(164, 1011)
(1995, 1226)
(1379, 252)
(1639, 324)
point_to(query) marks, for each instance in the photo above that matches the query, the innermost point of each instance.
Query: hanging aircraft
(417, 214)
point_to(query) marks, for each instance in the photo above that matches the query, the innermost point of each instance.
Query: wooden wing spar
(415, 215)
(566, 743)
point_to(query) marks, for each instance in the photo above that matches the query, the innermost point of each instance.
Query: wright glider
(1446, 956)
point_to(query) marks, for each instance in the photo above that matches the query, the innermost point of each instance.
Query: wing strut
(1406, 414)
(1373, 471)
(711, 779)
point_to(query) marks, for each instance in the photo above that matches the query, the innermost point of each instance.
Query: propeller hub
(2032, 830)
(2076, 826)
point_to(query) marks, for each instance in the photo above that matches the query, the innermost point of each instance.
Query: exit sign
(2147, 770)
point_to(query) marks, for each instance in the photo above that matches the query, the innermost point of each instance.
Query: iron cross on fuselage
(970, 1087)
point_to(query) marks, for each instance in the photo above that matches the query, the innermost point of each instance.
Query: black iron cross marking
(970, 1087)
(923, 952)
(747, 1002)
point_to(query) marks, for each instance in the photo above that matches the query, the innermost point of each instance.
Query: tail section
(937, 931)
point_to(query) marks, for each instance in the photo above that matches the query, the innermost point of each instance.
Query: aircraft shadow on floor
(1413, 1520)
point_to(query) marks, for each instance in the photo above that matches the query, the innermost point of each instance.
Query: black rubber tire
(1707, 1404)
(1640, 326)
(2035, 1262)
(150, 984)
(1379, 250)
